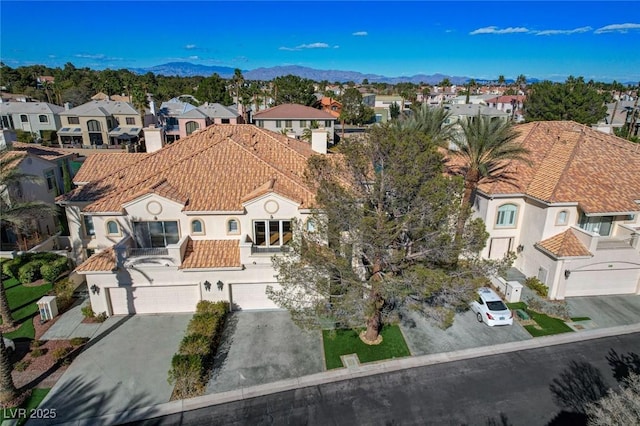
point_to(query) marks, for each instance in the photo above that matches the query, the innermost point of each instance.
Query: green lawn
(547, 325)
(344, 342)
(576, 319)
(37, 395)
(22, 301)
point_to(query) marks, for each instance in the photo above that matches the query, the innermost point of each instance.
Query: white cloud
(190, 46)
(52, 56)
(306, 46)
(620, 28)
(336, 47)
(90, 56)
(496, 30)
(360, 33)
(564, 32)
(194, 57)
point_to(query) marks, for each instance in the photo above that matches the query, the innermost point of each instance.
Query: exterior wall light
(220, 285)
(207, 285)
(567, 273)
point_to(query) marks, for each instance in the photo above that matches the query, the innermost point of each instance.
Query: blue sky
(546, 40)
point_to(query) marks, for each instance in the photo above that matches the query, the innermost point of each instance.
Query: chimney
(67, 106)
(153, 138)
(152, 107)
(319, 140)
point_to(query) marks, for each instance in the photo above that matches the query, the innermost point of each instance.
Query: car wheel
(479, 316)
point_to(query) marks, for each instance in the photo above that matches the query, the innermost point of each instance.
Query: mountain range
(187, 69)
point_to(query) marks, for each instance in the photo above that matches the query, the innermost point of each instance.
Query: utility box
(48, 308)
(513, 291)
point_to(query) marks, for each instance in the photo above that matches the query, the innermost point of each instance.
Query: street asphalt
(263, 347)
(507, 389)
(119, 370)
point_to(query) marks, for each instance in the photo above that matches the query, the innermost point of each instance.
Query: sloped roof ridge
(569, 162)
(282, 142)
(277, 169)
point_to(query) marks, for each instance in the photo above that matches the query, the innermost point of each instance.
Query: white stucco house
(196, 220)
(294, 119)
(573, 215)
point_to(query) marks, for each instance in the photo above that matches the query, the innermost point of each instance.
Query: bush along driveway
(191, 367)
(538, 323)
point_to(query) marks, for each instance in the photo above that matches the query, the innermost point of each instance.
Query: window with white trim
(113, 228)
(197, 227)
(191, 127)
(600, 225)
(233, 227)
(156, 234)
(272, 233)
(89, 230)
(43, 118)
(506, 215)
(562, 218)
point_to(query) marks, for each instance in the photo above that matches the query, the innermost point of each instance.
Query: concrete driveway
(466, 332)
(606, 311)
(263, 347)
(124, 368)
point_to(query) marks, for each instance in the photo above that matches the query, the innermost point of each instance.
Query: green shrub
(195, 344)
(87, 311)
(36, 344)
(101, 317)
(22, 365)
(186, 376)
(77, 341)
(534, 284)
(12, 267)
(61, 353)
(49, 136)
(556, 308)
(63, 291)
(51, 271)
(204, 325)
(219, 309)
(30, 272)
(38, 352)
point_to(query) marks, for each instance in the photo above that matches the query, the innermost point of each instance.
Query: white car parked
(490, 308)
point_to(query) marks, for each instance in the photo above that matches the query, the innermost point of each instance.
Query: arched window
(112, 227)
(233, 227)
(507, 215)
(197, 227)
(24, 118)
(562, 218)
(93, 126)
(43, 118)
(191, 127)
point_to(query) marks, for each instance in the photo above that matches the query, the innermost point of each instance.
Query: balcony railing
(263, 250)
(613, 244)
(137, 252)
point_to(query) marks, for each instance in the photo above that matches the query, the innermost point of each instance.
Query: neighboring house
(511, 104)
(618, 115)
(573, 215)
(100, 124)
(197, 220)
(43, 162)
(206, 115)
(331, 106)
(470, 111)
(441, 95)
(294, 119)
(382, 105)
(473, 99)
(32, 117)
(168, 116)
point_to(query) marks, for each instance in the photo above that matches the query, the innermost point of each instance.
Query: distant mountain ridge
(187, 69)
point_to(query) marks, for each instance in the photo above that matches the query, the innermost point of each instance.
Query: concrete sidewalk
(70, 325)
(331, 376)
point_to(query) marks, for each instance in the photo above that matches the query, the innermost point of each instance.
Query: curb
(332, 376)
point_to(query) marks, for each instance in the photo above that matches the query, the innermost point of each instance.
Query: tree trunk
(374, 321)
(8, 391)
(5, 310)
(470, 184)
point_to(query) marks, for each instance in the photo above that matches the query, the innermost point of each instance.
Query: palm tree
(521, 82)
(8, 391)
(486, 147)
(433, 122)
(501, 80)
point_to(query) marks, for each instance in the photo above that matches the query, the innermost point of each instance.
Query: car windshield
(496, 306)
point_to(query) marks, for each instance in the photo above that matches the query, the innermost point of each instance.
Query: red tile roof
(293, 112)
(215, 169)
(103, 261)
(211, 254)
(574, 163)
(565, 244)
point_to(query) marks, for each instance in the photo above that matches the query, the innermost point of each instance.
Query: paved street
(512, 387)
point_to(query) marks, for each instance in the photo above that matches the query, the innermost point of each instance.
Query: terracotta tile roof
(574, 163)
(45, 152)
(565, 244)
(214, 168)
(97, 166)
(103, 261)
(293, 112)
(506, 99)
(211, 254)
(164, 189)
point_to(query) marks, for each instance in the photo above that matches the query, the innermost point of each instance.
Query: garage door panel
(252, 296)
(599, 283)
(152, 300)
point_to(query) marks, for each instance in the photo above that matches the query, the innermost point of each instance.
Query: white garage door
(251, 296)
(153, 300)
(597, 283)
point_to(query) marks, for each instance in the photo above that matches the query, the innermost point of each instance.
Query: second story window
(156, 234)
(50, 177)
(191, 127)
(272, 233)
(24, 118)
(327, 123)
(112, 228)
(73, 120)
(43, 118)
(89, 231)
(303, 123)
(197, 227)
(233, 227)
(506, 215)
(288, 123)
(562, 218)
(600, 225)
(131, 121)
(94, 126)
(278, 124)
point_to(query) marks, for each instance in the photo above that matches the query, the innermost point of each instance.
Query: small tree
(8, 391)
(394, 110)
(617, 408)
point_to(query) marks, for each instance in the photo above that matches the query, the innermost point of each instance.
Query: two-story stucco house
(100, 124)
(196, 220)
(294, 119)
(47, 164)
(573, 215)
(32, 117)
